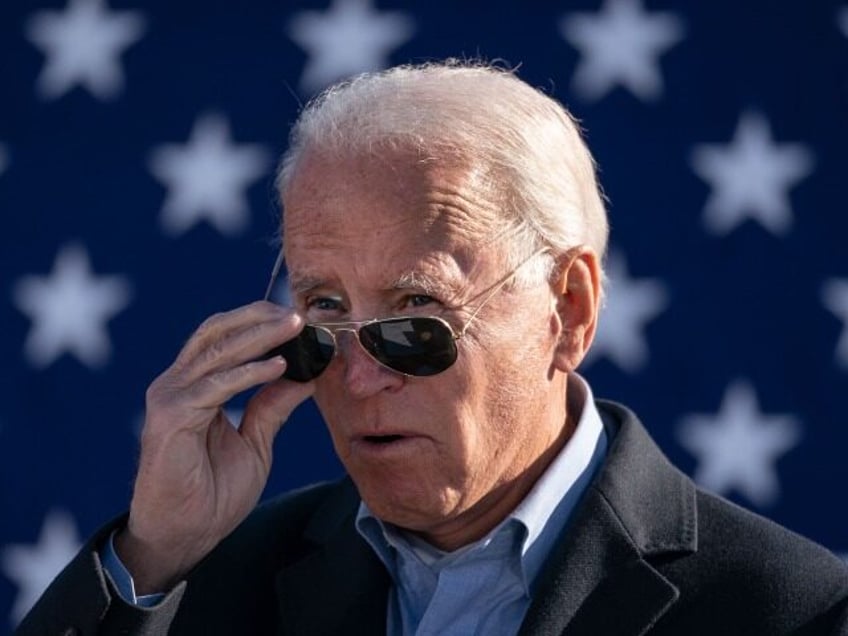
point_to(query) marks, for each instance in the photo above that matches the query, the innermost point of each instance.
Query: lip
(366, 434)
(385, 444)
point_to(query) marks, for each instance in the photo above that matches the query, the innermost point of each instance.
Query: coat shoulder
(758, 573)
(740, 538)
(733, 571)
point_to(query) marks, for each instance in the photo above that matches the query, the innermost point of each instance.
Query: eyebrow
(412, 279)
(303, 284)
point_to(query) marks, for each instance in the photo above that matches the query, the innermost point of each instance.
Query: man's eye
(421, 300)
(324, 304)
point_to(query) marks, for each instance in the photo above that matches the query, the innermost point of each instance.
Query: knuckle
(214, 351)
(264, 307)
(228, 377)
(256, 332)
(163, 399)
(210, 381)
(161, 387)
(213, 383)
(210, 325)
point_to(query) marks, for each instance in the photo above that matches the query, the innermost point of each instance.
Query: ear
(577, 293)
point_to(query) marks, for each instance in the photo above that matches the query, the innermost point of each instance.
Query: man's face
(447, 455)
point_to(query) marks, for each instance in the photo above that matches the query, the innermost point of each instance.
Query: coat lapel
(600, 580)
(341, 586)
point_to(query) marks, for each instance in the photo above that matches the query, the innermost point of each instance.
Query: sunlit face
(448, 455)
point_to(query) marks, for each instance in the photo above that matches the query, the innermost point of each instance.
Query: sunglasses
(412, 345)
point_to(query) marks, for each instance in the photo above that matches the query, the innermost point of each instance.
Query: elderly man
(443, 234)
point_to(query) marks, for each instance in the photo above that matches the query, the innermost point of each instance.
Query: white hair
(517, 142)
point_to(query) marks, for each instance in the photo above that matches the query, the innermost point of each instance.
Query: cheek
(514, 357)
(516, 378)
(480, 392)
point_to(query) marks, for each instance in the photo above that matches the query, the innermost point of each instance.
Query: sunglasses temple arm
(274, 273)
(496, 288)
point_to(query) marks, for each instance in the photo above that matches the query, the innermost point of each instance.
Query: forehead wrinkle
(469, 193)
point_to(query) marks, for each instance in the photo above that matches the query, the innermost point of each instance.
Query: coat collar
(600, 580)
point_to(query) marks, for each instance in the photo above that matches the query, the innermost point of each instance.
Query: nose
(363, 375)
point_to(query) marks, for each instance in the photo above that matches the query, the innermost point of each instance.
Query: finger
(219, 325)
(171, 408)
(218, 388)
(268, 410)
(245, 344)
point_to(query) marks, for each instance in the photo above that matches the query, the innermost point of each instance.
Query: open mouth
(382, 439)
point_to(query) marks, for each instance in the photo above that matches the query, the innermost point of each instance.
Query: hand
(198, 476)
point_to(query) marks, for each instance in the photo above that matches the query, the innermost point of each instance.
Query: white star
(349, 38)
(737, 448)
(620, 45)
(82, 46)
(835, 298)
(33, 567)
(207, 178)
(751, 177)
(629, 306)
(842, 19)
(69, 310)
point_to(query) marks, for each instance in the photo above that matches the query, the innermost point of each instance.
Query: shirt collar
(547, 508)
(536, 508)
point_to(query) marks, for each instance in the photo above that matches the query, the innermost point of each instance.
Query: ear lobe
(577, 289)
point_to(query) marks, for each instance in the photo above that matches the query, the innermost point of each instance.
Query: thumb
(268, 410)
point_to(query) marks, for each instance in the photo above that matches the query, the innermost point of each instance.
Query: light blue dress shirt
(487, 587)
(121, 577)
(482, 588)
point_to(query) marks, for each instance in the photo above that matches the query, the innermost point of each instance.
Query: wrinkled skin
(402, 237)
(367, 237)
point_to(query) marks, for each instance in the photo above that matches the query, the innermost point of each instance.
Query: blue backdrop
(138, 141)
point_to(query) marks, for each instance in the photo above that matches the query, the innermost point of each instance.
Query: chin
(406, 503)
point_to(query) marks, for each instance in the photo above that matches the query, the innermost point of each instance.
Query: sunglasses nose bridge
(342, 344)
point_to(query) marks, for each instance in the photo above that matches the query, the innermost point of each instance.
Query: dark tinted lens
(415, 346)
(306, 355)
